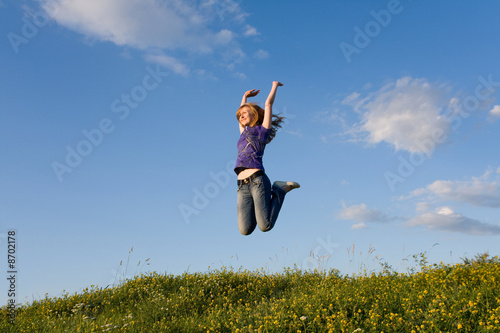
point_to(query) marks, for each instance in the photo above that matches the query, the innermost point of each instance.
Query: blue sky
(118, 131)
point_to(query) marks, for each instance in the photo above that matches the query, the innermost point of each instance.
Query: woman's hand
(278, 84)
(252, 93)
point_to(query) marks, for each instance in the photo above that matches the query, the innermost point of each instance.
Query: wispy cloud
(250, 31)
(495, 111)
(445, 219)
(169, 62)
(406, 114)
(261, 54)
(362, 215)
(153, 26)
(481, 191)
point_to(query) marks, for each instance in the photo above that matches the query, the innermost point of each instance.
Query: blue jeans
(258, 203)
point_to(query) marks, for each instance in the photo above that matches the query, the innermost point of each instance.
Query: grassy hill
(438, 298)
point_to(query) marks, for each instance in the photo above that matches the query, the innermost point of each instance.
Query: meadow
(462, 297)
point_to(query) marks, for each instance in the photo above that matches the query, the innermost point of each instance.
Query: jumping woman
(258, 202)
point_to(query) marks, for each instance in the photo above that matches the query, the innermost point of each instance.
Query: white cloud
(361, 214)
(407, 114)
(224, 36)
(137, 23)
(482, 191)
(169, 62)
(359, 226)
(261, 54)
(445, 219)
(225, 9)
(495, 111)
(354, 97)
(250, 31)
(168, 25)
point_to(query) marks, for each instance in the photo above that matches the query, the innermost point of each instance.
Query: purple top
(251, 147)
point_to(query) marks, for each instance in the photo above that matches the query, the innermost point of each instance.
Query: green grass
(437, 298)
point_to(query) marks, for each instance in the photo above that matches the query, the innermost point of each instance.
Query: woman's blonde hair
(258, 117)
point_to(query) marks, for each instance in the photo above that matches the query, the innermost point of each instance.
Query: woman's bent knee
(245, 231)
(265, 228)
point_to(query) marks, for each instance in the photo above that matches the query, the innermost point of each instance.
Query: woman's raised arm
(268, 114)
